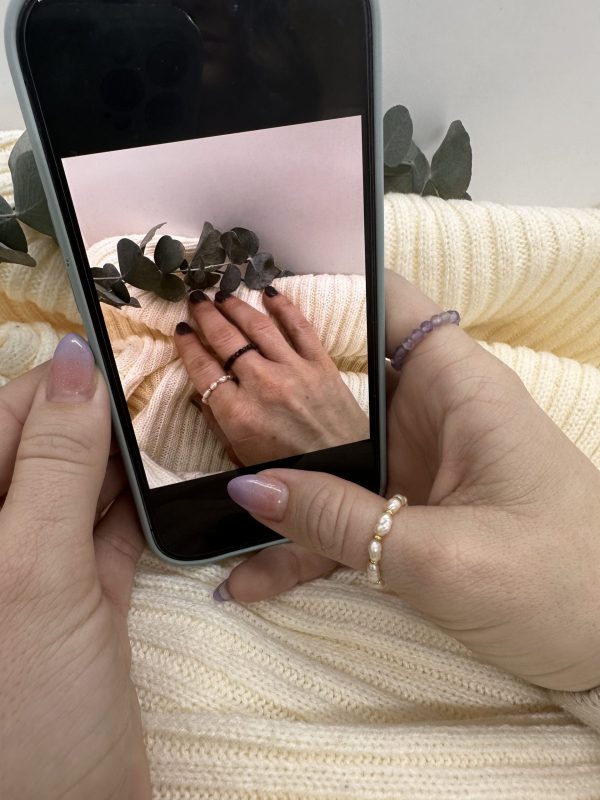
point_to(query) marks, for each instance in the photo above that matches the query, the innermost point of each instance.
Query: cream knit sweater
(334, 690)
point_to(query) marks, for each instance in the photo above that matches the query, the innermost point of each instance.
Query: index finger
(16, 398)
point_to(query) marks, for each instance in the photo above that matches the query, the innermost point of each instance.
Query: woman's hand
(500, 545)
(289, 400)
(70, 541)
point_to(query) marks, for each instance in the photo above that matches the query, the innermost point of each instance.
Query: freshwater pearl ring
(380, 531)
(215, 385)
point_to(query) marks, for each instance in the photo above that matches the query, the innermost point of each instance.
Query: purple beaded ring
(447, 318)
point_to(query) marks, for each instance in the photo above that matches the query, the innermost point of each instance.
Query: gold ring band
(381, 530)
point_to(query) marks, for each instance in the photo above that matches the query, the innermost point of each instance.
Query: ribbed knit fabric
(335, 690)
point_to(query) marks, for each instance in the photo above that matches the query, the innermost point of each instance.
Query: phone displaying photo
(213, 171)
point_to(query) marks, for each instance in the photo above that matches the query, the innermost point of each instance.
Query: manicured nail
(72, 377)
(271, 291)
(183, 329)
(198, 297)
(222, 594)
(220, 297)
(263, 497)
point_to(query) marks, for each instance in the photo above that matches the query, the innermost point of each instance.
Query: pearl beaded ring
(383, 527)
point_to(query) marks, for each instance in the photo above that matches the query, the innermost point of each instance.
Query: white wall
(521, 74)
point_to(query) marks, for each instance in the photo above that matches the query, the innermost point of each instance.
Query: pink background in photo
(299, 188)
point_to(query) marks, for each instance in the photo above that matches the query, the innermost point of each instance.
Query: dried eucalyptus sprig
(228, 259)
(407, 169)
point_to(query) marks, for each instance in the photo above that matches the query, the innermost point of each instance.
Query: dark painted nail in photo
(271, 291)
(220, 297)
(198, 297)
(183, 329)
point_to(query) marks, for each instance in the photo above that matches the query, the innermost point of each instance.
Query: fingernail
(222, 594)
(196, 400)
(264, 497)
(198, 296)
(271, 291)
(220, 297)
(183, 329)
(72, 377)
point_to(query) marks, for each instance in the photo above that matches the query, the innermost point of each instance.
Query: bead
(373, 573)
(375, 551)
(384, 526)
(436, 320)
(408, 344)
(454, 318)
(394, 505)
(417, 335)
(378, 538)
(399, 357)
(427, 326)
(446, 317)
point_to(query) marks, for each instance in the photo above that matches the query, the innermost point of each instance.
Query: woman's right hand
(500, 545)
(290, 398)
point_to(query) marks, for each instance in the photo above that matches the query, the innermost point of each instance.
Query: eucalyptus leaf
(430, 190)
(169, 254)
(397, 135)
(209, 250)
(171, 288)
(108, 297)
(10, 256)
(11, 233)
(30, 199)
(400, 180)
(122, 292)
(134, 303)
(200, 279)
(467, 196)
(111, 271)
(261, 271)
(240, 244)
(150, 235)
(420, 167)
(231, 279)
(452, 165)
(128, 253)
(144, 274)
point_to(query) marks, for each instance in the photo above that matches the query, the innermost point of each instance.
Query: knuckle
(262, 327)
(327, 520)
(58, 443)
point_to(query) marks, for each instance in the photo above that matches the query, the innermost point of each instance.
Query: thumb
(60, 465)
(428, 553)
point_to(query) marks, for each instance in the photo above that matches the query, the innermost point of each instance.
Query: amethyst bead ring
(424, 329)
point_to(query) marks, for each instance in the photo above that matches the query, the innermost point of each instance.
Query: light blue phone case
(11, 32)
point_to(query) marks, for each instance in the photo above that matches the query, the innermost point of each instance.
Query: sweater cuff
(583, 705)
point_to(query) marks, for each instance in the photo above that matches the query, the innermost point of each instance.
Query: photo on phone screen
(299, 188)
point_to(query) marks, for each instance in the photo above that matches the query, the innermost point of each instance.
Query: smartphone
(248, 124)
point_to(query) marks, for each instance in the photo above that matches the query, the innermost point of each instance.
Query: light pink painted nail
(72, 377)
(261, 496)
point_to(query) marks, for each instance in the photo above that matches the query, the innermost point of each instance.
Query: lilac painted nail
(261, 496)
(72, 377)
(222, 594)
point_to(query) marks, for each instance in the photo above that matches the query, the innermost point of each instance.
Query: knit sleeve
(585, 706)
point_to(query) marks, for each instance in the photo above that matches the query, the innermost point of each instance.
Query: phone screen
(219, 146)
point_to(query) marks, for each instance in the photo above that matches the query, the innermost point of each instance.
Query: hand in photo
(279, 398)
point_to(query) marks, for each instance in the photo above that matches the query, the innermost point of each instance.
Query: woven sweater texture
(334, 690)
